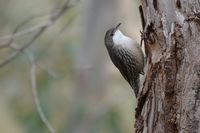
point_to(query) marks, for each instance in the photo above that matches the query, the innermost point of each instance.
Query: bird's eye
(111, 34)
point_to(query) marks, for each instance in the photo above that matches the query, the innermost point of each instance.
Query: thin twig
(35, 95)
(14, 55)
(56, 38)
(8, 39)
(42, 28)
(54, 15)
(50, 73)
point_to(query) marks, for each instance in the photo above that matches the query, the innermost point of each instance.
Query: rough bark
(170, 97)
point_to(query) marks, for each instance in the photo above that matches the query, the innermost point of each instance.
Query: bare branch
(49, 72)
(54, 15)
(7, 40)
(16, 53)
(35, 94)
(41, 27)
(57, 36)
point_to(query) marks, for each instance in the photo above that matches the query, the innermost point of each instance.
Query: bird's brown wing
(124, 60)
(136, 52)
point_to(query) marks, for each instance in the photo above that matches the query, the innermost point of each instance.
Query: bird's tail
(135, 85)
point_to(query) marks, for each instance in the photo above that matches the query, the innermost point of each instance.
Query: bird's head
(111, 34)
(115, 37)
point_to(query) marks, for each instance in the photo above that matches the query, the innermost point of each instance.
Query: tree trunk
(169, 100)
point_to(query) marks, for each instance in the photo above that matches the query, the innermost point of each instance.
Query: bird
(127, 55)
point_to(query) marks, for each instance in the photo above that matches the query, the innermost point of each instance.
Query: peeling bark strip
(142, 16)
(170, 98)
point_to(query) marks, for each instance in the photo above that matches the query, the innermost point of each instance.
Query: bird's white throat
(120, 39)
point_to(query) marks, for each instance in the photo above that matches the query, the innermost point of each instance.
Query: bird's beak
(117, 26)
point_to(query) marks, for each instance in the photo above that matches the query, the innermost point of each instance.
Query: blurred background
(79, 88)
